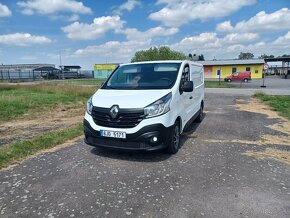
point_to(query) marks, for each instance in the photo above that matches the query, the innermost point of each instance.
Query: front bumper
(141, 140)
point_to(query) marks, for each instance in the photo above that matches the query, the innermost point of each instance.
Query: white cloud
(211, 45)
(71, 18)
(224, 27)
(101, 25)
(128, 6)
(53, 7)
(210, 40)
(204, 40)
(179, 12)
(4, 11)
(240, 37)
(134, 34)
(114, 50)
(261, 22)
(283, 40)
(23, 39)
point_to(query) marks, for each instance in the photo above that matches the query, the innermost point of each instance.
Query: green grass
(16, 100)
(281, 104)
(217, 84)
(17, 151)
(96, 82)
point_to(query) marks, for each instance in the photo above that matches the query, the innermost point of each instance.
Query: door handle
(190, 97)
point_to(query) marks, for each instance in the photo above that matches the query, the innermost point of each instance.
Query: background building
(22, 71)
(23, 67)
(283, 69)
(224, 68)
(103, 71)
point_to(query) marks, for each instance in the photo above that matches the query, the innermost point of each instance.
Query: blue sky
(87, 32)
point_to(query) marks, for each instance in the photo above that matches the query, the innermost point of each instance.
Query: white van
(146, 106)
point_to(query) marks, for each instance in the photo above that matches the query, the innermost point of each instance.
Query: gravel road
(211, 175)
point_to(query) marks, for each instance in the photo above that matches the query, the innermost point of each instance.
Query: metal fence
(18, 75)
(31, 75)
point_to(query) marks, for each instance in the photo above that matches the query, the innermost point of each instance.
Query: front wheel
(173, 140)
(229, 80)
(246, 80)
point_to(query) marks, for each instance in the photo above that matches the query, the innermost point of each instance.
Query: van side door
(186, 97)
(198, 81)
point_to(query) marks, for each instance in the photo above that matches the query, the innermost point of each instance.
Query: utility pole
(60, 64)
(265, 68)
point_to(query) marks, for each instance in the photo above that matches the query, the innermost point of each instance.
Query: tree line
(165, 53)
(248, 55)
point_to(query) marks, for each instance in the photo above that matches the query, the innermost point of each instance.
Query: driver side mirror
(187, 86)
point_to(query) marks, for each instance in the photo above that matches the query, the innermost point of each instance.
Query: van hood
(127, 98)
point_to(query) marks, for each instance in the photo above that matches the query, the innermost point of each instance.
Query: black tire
(246, 80)
(173, 140)
(200, 115)
(229, 80)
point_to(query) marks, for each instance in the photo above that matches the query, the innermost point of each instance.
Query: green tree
(263, 56)
(155, 54)
(246, 55)
(201, 57)
(285, 56)
(194, 57)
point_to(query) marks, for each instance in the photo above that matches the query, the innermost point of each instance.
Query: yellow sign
(105, 66)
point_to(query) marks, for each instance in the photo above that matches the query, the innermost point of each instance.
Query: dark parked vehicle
(62, 75)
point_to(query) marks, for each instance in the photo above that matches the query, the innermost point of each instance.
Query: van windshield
(144, 76)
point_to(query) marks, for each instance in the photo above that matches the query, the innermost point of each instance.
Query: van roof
(164, 61)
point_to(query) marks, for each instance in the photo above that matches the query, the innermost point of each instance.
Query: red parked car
(240, 76)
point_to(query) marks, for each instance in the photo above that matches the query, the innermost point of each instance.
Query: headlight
(90, 106)
(159, 107)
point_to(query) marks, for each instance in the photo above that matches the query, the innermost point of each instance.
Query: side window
(234, 70)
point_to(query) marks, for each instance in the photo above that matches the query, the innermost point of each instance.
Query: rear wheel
(229, 80)
(173, 140)
(246, 80)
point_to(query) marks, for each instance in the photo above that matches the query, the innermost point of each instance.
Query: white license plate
(113, 134)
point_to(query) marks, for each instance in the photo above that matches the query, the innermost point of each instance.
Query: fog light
(154, 139)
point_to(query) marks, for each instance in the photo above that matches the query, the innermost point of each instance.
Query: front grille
(126, 118)
(114, 143)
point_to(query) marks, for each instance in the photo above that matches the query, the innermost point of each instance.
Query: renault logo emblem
(114, 111)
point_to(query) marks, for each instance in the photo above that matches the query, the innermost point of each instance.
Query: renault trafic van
(146, 106)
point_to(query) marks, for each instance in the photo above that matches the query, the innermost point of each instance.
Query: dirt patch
(56, 148)
(282, 127)
(265, 140)
(59, 118)
(281, 137)
(257, 106)
(278, 155)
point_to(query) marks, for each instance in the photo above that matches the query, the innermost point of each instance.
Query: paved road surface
(205, 179)
(274, 86)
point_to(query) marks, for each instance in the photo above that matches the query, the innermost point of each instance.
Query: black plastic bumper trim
(140, 140)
